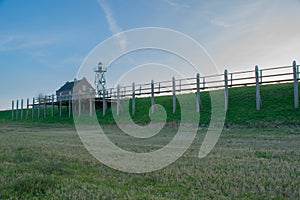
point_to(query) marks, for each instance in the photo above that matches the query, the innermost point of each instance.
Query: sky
(44, 43)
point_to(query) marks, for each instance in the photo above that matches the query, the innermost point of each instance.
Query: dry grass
(49, 162)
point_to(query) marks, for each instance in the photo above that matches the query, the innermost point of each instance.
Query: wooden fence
(195, 84)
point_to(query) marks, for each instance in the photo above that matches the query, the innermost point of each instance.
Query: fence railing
(87, 98)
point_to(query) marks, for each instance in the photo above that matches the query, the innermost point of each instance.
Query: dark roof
(68, 86)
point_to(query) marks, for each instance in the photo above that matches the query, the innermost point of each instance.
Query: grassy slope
(48, 161)
(277, 109)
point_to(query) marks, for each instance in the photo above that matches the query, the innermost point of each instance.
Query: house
(80, 86)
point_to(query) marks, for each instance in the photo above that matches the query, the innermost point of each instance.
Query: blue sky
(43, 43)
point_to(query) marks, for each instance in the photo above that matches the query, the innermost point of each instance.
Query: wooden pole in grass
(180, 85)
(45, 106)
(12, 109)
(79, 103)
(140, 89)
(17, 110)
(70, 101)
(226, 89)
(198, 98)
(60, 101)
(258, 99)
(27, 109)
(52, 105)
(118, 99)
(295, 74)
(174, 93)
(133, 99)
(152, 97)
(32, 108)
(91, 102)
(39, 108)
(104, 102)
(21, 109)
(261, 75)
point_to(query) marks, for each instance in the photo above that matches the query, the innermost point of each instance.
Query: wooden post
(258, 99)
(91, 102)
(296, 96)
(226, 89)
(231, 76)
(198, 98)
(104, 102)
(60, 109)
(152, 97)
(174, 94)
(261, 76)
(204, 83)
(297, 72)
(17, 110)
(45, 106)
(180, 85)
(52, 106)
(158, 87)
(70, 101)
(118, 99)
(79, 103)
(133, 99)
(140, 89)
(12, 109)
(27, 109)
(32, 107)
(21, 109)
(39, 108)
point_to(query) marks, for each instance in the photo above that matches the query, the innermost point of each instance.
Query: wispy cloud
(113, 26)
(219, 23)
(20, 42)
(176, 4)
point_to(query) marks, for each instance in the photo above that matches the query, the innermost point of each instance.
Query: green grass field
(256, 157)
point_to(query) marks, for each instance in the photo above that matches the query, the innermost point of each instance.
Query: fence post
(180, 85)
(226, 89)
(152, 97)
(39, 108)
(198, 98)
(204, 83)
(79, 103)
(21, 109)
(297, 71)
(70, 100)
(104, 102)
(159, 88)
(32, 108)
(17, 110)
(140, 89)
(27, 109)
(60, 109)
(133, 99)
(45, 106)
(261, 71)
(258, 99)
(296, 98)
(174, 94)
(91, 102)
(118, 99)
(52, 110)
(231, 77)
(12, 109)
